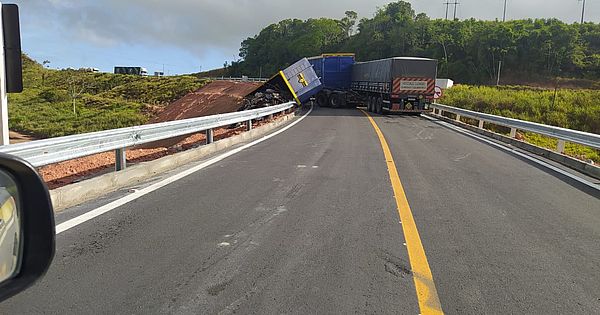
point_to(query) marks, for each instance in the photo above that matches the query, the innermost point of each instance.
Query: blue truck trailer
(335, 73)
(399, 84)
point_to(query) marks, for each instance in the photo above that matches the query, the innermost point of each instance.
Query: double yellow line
(429, 302)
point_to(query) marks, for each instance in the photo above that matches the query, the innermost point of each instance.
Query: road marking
(429, 302)
(139, 193)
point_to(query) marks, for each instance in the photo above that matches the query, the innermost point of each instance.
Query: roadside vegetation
(532, 51)
(573, 109)
(63, 102)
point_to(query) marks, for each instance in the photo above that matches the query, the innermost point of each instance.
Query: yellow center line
(429, 302)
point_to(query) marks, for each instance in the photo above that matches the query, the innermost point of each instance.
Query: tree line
(469, 51)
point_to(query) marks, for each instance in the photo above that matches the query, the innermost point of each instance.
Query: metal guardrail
(562, 134)
(242, 79)
(54, 150)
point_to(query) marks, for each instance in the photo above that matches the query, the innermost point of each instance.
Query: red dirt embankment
(215, 98)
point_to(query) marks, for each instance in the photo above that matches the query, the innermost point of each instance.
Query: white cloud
(199, 26)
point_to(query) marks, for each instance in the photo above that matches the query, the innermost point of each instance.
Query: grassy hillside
(573, 109)
(57, 103)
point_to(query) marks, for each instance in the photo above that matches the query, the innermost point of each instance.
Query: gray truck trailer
(399, 84)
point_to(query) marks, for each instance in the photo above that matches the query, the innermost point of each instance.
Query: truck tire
(335, 100)
(323, 100)
(370, 105)
(343, 100)
(380, 106)
(373, 105)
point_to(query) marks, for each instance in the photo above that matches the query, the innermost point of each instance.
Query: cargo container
(444, 84)
(335, 73)
(399, 84)
(298, 82)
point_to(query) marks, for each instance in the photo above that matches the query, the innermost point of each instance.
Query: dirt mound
(214, 98)
(17, 137)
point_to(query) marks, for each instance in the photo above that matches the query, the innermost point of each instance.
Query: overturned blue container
(299, 81)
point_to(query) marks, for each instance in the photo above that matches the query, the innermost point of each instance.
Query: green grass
(573, 109)
(104, 100)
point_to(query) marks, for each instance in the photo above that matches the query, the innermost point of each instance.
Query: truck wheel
(335, 100)
(379, 106)
(322, 100)
(343, 100)
(370, 105)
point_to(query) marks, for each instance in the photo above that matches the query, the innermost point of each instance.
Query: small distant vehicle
(131, 70)
(93, 70)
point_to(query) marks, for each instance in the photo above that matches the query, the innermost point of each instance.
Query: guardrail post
(120, 159)
(249, 125)
(513, 132)
(209, 136)
(440, 112)
(458, 117)
(560, 147)
(481, 124)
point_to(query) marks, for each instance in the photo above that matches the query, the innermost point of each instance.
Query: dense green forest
(62, 102)
(469, 51)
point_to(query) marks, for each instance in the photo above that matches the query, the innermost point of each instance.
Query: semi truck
(131, 70)
(399, 84)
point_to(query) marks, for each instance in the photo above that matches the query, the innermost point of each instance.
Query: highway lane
(306, 223)
(502, 235)
(298, 224)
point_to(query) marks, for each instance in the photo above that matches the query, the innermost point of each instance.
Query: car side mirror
(27, 232)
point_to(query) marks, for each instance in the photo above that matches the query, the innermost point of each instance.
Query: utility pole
(504, 15)
(583, 12)
(447, 7)
(499, 69)
(456, 3)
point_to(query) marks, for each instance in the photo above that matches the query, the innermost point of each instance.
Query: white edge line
(523, 155)
(137, 194)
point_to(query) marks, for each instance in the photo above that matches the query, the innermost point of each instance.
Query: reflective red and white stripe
(397, 86)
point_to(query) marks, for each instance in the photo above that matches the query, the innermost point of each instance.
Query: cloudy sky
(185, 36)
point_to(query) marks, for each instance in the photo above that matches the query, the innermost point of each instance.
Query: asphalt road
(306, 222)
